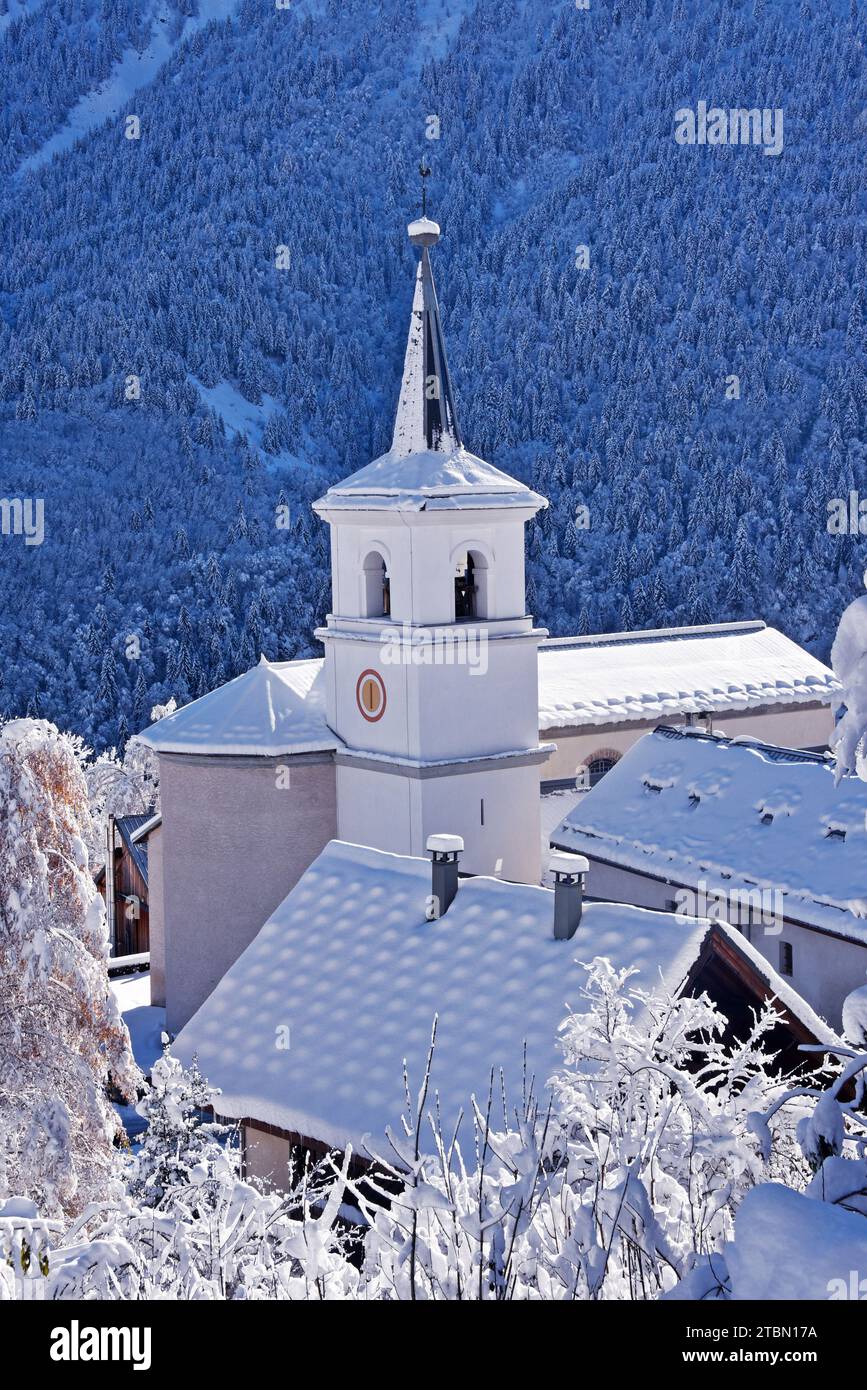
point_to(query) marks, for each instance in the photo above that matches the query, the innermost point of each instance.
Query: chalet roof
(127, 826)
(133, 831)
(427, 467)
(621, 676)
(736, 814)
(274, 708)
(349, 962)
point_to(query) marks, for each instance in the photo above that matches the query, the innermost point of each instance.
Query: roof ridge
(656, 634)
(776, 752)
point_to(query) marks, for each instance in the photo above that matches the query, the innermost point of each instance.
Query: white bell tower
(430, 658)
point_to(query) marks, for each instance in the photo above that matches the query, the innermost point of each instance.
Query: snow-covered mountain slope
(144, 295)
(134, 69)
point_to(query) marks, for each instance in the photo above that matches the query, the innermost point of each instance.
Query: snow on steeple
(426, 416)
(427, 466)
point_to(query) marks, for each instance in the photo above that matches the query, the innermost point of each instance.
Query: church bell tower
(430, 657)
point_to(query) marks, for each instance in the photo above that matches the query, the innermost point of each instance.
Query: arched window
(471, 587)
(377, 587)
(600, 763)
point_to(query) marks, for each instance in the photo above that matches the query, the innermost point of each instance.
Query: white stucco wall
(397, 813)
(421, 550)
(438, 710)
(233, 843)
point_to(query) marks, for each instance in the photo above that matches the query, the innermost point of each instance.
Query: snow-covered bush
(807, 1241)
(849, 659)
(656, 1114)
(189, 1226)
(625, 1183)
(61, 1038)
(630, 1176)
(177, 1147)
(122, 785)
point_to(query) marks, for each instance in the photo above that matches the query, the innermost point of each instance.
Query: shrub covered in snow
(849, 659)
(638, 1179)
(61, 1038)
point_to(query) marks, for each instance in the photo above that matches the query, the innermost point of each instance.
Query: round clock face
(370, 695)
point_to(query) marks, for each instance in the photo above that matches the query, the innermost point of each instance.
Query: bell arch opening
(471, 586)
(377, 586)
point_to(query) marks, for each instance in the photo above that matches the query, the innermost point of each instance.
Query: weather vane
(424, 170)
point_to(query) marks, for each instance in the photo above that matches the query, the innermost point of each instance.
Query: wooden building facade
(126, 893)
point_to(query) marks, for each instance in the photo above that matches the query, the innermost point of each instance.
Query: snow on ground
(791, 1247)
(145, 1023)
(238, 413)
(439, 22)
(131, 72)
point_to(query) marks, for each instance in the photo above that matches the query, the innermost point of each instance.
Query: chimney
(568, 871)
(445, 850)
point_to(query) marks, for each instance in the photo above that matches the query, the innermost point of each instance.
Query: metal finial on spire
(424, 231)
(426, 416)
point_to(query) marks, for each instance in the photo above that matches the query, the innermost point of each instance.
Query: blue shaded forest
(170, 381)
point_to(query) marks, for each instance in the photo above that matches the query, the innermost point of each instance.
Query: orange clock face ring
(370, 696)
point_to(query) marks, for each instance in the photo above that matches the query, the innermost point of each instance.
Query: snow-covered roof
(149, 824)
(427, 467)
(279, 707)
(428, 481)
(274, 708)
(736, 813)
(349, 963)
(650, 675)
(134, 831)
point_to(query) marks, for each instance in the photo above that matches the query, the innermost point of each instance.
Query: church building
(439, 706)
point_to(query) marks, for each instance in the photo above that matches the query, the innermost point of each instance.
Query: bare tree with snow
(62, 1041)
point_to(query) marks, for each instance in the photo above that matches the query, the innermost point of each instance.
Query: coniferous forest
(205, 287)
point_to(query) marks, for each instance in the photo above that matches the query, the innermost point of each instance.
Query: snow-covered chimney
(568, 871)
(445, 851)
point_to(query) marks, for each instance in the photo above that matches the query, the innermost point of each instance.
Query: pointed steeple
(427, 466)
(426, 417)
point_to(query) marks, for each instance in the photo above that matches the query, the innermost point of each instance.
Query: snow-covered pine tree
(179, 1146)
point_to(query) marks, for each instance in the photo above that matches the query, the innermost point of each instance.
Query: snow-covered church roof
(279, 707)
(738, 814)
(427, 466)
(350, 964)
(274, 708)
(619, 676)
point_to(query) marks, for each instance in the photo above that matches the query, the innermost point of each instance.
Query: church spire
(426, 417)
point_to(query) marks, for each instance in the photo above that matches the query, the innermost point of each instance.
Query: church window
(602, 762)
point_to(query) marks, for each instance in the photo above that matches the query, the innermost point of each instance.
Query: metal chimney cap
(562, 862)
(445, 844)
